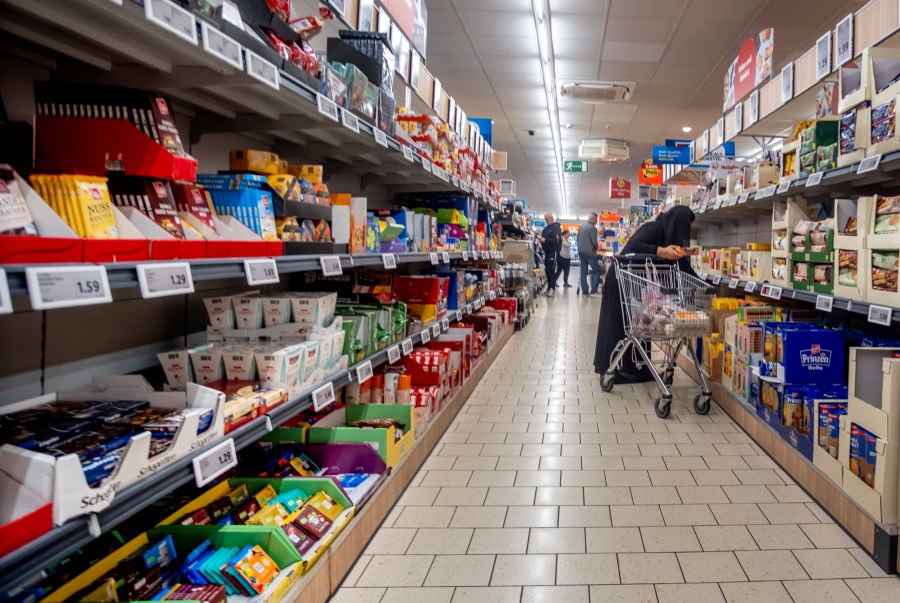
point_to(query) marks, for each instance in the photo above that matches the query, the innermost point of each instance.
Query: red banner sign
(619, 188)
(650, 173)
(750, 68)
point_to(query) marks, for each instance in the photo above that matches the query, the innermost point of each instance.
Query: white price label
(426, 335)
(718, 203)
(823, 55)
(869, 164)
(393, 354)
(173, 18)
(262, 70)
(717, 279)
(214, 462)
(364, 371)
(465, 256)
(787, 82)
(328, 108)
(468, 308)
(436, 329)
(389, 260)
(492, 295)
(159, 280)
(381, 137)
(738, 117)
(426, 165)
(5, 298)
(64, 287)
(743, 198)
(843, 38)
(331, 265)
(445, 324)
(771, 292)
(479, 303)
(824, 303)
(783, 188)
(262, 271)
(769, 191)
(433, 257)
(815, 179)
(350, 121)
(485, 255)
(880, 315)
(445, 257)
(750, 287)
(323, 396)
(733, 283)
(458, 315)
(454, 181)
(408, 153)
(219, 45)
(754, 108)
(407, 347)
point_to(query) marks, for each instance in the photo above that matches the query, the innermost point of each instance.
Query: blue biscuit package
(810, 356)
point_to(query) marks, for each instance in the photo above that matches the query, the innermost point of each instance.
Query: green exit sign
(575, 167)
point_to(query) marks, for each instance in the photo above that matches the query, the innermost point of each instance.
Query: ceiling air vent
(597, 92)
(603, 149)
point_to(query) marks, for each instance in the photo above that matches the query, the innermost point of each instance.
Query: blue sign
(671, 155)
(486, 127)
(678, 143)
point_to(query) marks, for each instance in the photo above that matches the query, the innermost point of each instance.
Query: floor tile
(594, 516)
(559, 496)
(447, 541)
(820, 591)
(636, 516)
(461, 497)
(560, 463)
(424, 517)
(876, 590)
(755, 592)
(554, 594)
(391, 541)
(524, 570)
(556, 540)
(787, 513)
(626, 593)
(688, 515)
(510, 496)
(711, 567)
(396, 570)
(460, 570)
(584, 478)
(487, 594)
(607, 495)
(496, 541)
(587, 569)
(749, 494)
(492, 478)
(784, 537)
(476, 463)
(669, 539)
(771, 565)
(614, 540)
(830, 563)
(688, 593)
(672, 478)
(663, 495)
(743, 514)
(532, 517)
(696, 495)
(420, 595)
(358, 595)
(447, 479)
(649, 568)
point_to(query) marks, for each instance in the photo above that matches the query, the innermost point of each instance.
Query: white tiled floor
(545, 488)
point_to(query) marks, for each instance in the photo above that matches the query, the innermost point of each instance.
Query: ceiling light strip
(545, 49)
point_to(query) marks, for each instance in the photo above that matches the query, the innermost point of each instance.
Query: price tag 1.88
(173, 18)
(393, 354)
(880, 315)
(214, 462)
(364, 371)
(262, 271)
(5, 299)
(323, 396)
(407, 347)
(65, 287)
(331, 265)
(159, 280)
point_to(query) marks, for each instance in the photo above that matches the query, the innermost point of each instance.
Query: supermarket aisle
(545, 488)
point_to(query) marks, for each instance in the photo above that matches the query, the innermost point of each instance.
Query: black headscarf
(676, 225)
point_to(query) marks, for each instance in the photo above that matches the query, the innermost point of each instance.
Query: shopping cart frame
(639, 276)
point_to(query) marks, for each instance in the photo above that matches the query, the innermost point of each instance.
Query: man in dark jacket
(551, 241)
(587, 252)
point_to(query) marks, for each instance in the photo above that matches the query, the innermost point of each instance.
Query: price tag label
(783, 188)
(869, 164)
(815, 179)
(492, 295)
(446, 257)
(426, 165)
(468, 308)
(787, 82)
(465, 256)
(743, 198)
(843, 36)
(393, 354)
(479, 303)
(445, 324)
(173, 18)
(389, 260)
(5, 298)
(771, 292)
(407, 347)
(704, 276)
(323, 396)
(262, 271)
(458, 315)
(328, 108)
(433, 257)
(408, 153)
(66, 287)
(159, 280)
(717, 279)
(750, 287)
(823, 56)
(331, 265)
(824, 303)
(426, 335)
(880, 315)
(262, 70)
(436, 329)
(381, 137)
(214, 462)
(455, 181)
(219, 45)
(485, 255)
(771, 190)
(364, 371)
(350, 121)
(733, 283)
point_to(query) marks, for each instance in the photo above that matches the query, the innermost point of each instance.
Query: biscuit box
(810, 356)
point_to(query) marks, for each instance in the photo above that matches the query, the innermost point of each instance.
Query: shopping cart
(664, 306)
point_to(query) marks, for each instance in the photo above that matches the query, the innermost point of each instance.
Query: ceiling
(677, 51)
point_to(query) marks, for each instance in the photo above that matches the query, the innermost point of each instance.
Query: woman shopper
(565, 259)
(664, 237)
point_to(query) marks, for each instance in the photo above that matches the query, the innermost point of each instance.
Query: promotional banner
(750, 68)
(650, 173)
(671, 155)
(619, 188)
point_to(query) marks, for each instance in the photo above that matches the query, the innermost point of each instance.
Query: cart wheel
(608, 382)
(702, 403)
(663, 406)
(669, 377)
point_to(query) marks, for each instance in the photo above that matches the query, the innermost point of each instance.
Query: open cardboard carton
(71, 494)
(822, 459)
(883, 69)
(26, 512)
(875, 391)
(391, 449)
(879, 501)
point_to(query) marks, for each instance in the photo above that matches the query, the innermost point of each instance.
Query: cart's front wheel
(669, 377)
(608, 381)
(663, 407)
(702, 403)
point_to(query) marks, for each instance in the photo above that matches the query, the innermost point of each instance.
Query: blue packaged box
(810, 356)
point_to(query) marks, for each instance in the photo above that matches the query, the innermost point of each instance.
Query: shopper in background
(664, 238)
(587, 251)
(565, 259)
(551, 241)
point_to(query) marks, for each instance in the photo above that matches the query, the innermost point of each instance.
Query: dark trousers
(563, 265)
(550, 259)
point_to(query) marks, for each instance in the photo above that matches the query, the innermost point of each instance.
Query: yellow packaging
(325, 505)
(104, 591)
(94, 208)
(313, 173)
(270, 515)
(265, 495)
(286, 186)
(249, 160)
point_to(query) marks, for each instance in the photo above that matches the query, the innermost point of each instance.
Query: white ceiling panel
(630, 71)
(579, 27)
(633, 51)
(491, 23)
(568, 69)
(666, 9)
(638, 30)
(506, 46)
(501, 5)
(570, 48)
(512, 64)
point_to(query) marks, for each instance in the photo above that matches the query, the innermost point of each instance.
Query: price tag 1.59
(262, 271)
(880, 315)
(327, 107)
(173, 18)
(64, 287)
(5, 299)
(407, 347)
(364, 371)
(433, 257)
(381, 137)
(350, 121)
(323, 396)
(331, 265)
(393, 354)
(159, 280)
(824, 303)
(733, 283)
(389, 260)
(214, 462)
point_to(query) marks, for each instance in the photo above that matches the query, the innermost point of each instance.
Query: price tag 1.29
(407, 347)
(331, 265)
(824, 303)
(159, 280)
(5, 299)
(733, 283)
(173, 18)
(350, 121)
(880, 315)
(262, 271)
(393, 354)
(328, 108)
(389, 260)
(214, 462)
(364, 371)
(64, 287)
(323, 396)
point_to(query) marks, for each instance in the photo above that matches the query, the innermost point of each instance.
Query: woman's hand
(672, 252)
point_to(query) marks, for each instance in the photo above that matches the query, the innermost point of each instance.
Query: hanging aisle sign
(650, 173)
(750, 68)
(619, 188)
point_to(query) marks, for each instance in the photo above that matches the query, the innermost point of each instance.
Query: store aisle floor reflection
(545, 488)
